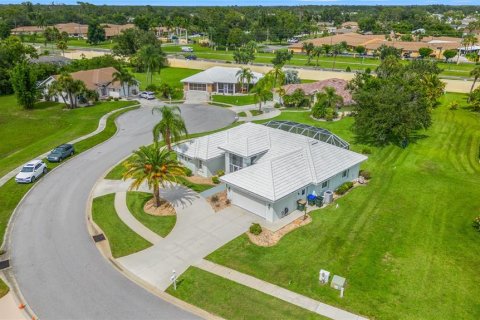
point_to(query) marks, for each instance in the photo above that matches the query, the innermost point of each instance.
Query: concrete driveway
(59, 271)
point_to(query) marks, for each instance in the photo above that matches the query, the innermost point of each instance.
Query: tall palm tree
(278, 76)
(152, 58)
(157, 166)
(245, 75)
(308, 48)
(125, 78)
(475, 73)
(332, 98)
(171, 127)
(317, 52)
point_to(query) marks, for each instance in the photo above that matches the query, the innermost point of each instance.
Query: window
(197, 86)
(303, 192)
(236, 163)
(344, 173)
(325, 184)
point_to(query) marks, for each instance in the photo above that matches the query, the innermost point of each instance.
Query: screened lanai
(309, 131)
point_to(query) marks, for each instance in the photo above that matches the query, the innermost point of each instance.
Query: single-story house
(311, 89)
(99, 80)
(220, 80)
(268, 169)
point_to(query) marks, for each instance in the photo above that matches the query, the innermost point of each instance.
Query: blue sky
(258, 2)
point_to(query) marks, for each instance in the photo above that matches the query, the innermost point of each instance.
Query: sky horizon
(264, 3)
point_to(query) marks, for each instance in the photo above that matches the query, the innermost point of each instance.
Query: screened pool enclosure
(309, 131)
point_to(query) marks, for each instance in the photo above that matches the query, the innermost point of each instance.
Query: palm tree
(336, 50)
(308, 48)
(245, 75)
(62, 46)
(332, 98)
(153, 58)
(278, 76)
(317, 52)
(475, 73)
(158, 167)
(125, 78)
(172, 126)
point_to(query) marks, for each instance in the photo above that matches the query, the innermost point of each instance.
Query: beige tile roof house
(311, 89)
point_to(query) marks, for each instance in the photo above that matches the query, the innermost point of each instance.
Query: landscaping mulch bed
(222, 202)
(165, 209)
(268, 238)
(200, 180)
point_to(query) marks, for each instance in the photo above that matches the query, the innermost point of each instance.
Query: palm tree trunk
(471, 88)
(156, 195)
(168, 141)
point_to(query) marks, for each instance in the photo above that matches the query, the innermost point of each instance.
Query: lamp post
(173, 278)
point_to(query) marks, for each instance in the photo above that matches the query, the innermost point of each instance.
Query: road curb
(9, 274)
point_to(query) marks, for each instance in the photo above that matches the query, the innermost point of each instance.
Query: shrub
(215, 180)
(151, 87)
(344, 188)
(348, 69)
(368, 70)
(365, 174)
(454, 105)
(277, 105)
(188, 172)
(214, 198)
(227, 202)
(116, 99)
(329, 114)
(255, 229)
(220, 173)
(366, 150)
(109, 99)
(476, 223)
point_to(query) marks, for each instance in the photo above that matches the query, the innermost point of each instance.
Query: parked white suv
(31, 171)
(149, 95)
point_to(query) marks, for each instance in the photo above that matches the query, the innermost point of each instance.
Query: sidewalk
(9, 308)
(278, 292)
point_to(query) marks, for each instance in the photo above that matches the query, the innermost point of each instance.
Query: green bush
(366, 150)
(348, 69)
(116, 99)
(255, 229)
(329, 114)
(151, 87)
(188, 172)
(365, 174)
(220, 173)
(476, 223)
(214, 198)
(277, 105)
(215, 180)
(344, 188)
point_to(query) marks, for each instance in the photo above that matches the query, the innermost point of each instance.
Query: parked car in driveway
(31, 171)
(191, 57)
(187, 49)
(149, 95)
(61, 152)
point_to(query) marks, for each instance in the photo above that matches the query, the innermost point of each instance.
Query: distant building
(75, 30)
(99, 80)
(311, 89)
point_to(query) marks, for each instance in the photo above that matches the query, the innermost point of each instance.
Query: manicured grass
(404, 242)
(242, 114)
(255, 112)
(29, 133)
(231, 300)
(11, 193)
(324, 62)
(72, 42)
(3, 288)
(161, 225)
(197, 187)
(123, 241)
(235, 100)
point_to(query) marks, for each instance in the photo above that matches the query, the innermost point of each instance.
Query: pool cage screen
(309, 131)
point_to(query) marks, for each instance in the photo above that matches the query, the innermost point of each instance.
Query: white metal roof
(288, 161)
(219, 75)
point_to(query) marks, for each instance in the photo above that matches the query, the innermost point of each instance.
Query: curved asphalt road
(60, 272)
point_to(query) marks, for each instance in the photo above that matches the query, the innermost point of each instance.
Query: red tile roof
(309, 89)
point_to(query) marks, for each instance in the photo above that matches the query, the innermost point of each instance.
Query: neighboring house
(220, 80)
(311, 89)
(99, 80)
(268, 169)
(75, 30)
(372, 42)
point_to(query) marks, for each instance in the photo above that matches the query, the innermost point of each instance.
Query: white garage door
(248, 202)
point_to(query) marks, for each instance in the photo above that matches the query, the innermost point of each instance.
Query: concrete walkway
(102, 123)
(126, 216)
(268, 111)
(278, 292)
(9, 308)
(197, 232)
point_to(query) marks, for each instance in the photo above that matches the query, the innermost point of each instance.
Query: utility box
(338, 282)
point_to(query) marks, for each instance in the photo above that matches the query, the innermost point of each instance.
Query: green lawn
(72, 42)
(29, 133)
(11, 193)
(172, 76)
(231, 300)
(234, 100)
(161, 225)
(242, 114)
(324, 62)
(123, 241)
(405, 242)
(3, 288)
(256, 112)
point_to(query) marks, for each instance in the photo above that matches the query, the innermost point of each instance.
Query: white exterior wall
(290, 202)
(189, 164)
(213, 165)
(337, 180)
